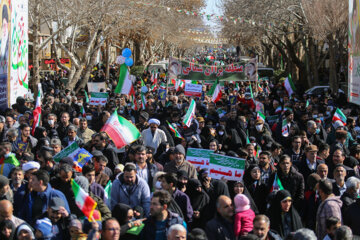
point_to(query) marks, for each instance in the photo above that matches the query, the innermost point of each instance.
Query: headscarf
(7, 224)
(120, 212)
(198, 199)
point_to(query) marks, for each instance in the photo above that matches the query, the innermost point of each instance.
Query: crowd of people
(302, 185)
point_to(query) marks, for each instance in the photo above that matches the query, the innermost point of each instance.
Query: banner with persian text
(354, 53)
(244, 70)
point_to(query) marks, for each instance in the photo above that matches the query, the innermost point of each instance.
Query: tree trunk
(312, 58)
(137, 46)
(332, 66)
(88, 69)
(36, 65)
(107, 54)
(72, 82)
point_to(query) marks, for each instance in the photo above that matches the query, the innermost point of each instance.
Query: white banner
(193, 89)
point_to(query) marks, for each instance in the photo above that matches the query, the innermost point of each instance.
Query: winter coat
(243, 222)
(171, 167)
(330, 207)
(219, 229)
(351, 217)
(184, 203)
(135, 195)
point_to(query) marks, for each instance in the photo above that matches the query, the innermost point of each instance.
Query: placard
(193, 89)
(199, 157)
(98, 98)
(230, 168)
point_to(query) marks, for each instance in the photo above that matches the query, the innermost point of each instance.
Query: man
(295, 152)
(351, 217)
(110, 229)
(25, 142)
(131, 189)
(89, 172)
(7, 159)
(322, 170)
(102, 172)
(177, 232)
(144, 169)
(169, 183)
(102, 145)
(340, 142)
(42, 193)
(84, 132)
(3, 129)
(51, 124)
(153, 136)
(62, 129)
(160, 220)
(6, 213)
(72, 137)
(324, 152)
(339, 186)
(180, 163)
(5, 191)
(330, 207)
(339, 158)
(351, 193)
(266, 168)
(291, 180)
(261, 228)
(309, 163)
(56, 145)
(221, 226)
(17, 179)
(312, 135)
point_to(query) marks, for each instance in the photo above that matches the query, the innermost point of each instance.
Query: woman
(238, 187)
(199, 201)
(7, 230)
(125, 216)
(214, 145)
(257, 189)
(283, 216)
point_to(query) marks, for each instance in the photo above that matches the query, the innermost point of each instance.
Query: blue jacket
(136, 195)
(24, 202)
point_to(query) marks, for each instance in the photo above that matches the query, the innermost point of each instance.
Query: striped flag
(37, 111)
(251, 91)
(124, 85)
(179, 84)
(82, 111)
(289, 85)
(258, 150)
(107, 191)
(86, 97)
(278, 110)
(216, 92)
(86, 204)
(176, 133)
(261, 116)
(284, 128)
(339, 116)
(120, 130)
(133, 102)
(190, 114)
(277, 185)
(260, 88)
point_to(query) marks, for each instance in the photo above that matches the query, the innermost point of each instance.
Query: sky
(213, 7)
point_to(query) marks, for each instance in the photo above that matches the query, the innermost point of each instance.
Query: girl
(244, 216)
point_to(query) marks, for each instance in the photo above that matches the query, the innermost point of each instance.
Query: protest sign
(96, 86)
(230, 168)
(162, 94)
(232, 100)
(99, 98)
(199, 157)
(69, 151)
(193, 89)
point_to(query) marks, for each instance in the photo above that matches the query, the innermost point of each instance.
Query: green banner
(244, 70)
(199, 157)
(69, 151)
(230, 168)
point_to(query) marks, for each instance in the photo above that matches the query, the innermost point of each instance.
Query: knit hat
(242, 203)
(3, 181)
(26, 227)
(180, 149)
(144, 115)
(56, 203)
(83, 183)
(45, 227)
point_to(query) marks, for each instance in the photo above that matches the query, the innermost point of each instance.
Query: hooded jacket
(330, 207)
(137, 194)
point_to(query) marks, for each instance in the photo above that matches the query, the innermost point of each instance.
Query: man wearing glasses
(111, 229)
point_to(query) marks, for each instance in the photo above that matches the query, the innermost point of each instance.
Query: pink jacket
(243, 222)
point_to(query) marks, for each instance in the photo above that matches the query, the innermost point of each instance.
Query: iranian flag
(260, 88)
(82, 111)
(107, 191)
(172, 129)
(86, 204)
(133, 102)
(284, 128)
(124, 85)
(190, 114)
(120, 130)
(37, 111)
(216, 94)
(277, 185)
(179, 84)
(339, 116)
(289, 85)
(261, 116)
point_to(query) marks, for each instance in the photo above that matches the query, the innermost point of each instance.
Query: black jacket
(347, 200)
(304, 169)
(219, 229)
(351, 217)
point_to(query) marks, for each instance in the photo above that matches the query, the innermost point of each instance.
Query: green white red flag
(216, 95)
(107, 191)
(125, 85)
(179, 84)
(82, 111)
(120, 130)
(284, 128)
(277, 185)
(261, 116)
(190, 114)
(339, 116)
(37, 111)
(289, 85)
(172, 129)
(86, 204)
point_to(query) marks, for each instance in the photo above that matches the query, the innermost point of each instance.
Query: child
(43, 229)
(244, 216)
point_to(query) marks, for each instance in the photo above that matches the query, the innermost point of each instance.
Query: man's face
(179, 158)
(250, 149)
(83, 125)
(54, 215)
(99, 166)
(71, 134)
(338, 158)
(290, 118)
(155, 207)
(99, 143)
(263, 160)
(311, 156)
(91, 177)
(6, 213)
(65, 118)
(322, 171)
(164, 185)
(285, 165)
(226, 208)
(339, 174)
(296, 144)
(130, 177)
(17, 176)
(261, 229)
(177, 235)
(26, 132)
(65, 176)
(34, 183)
(153, 127)
(56, 148)
(312, 129)
(112, 231)
(140, 157)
